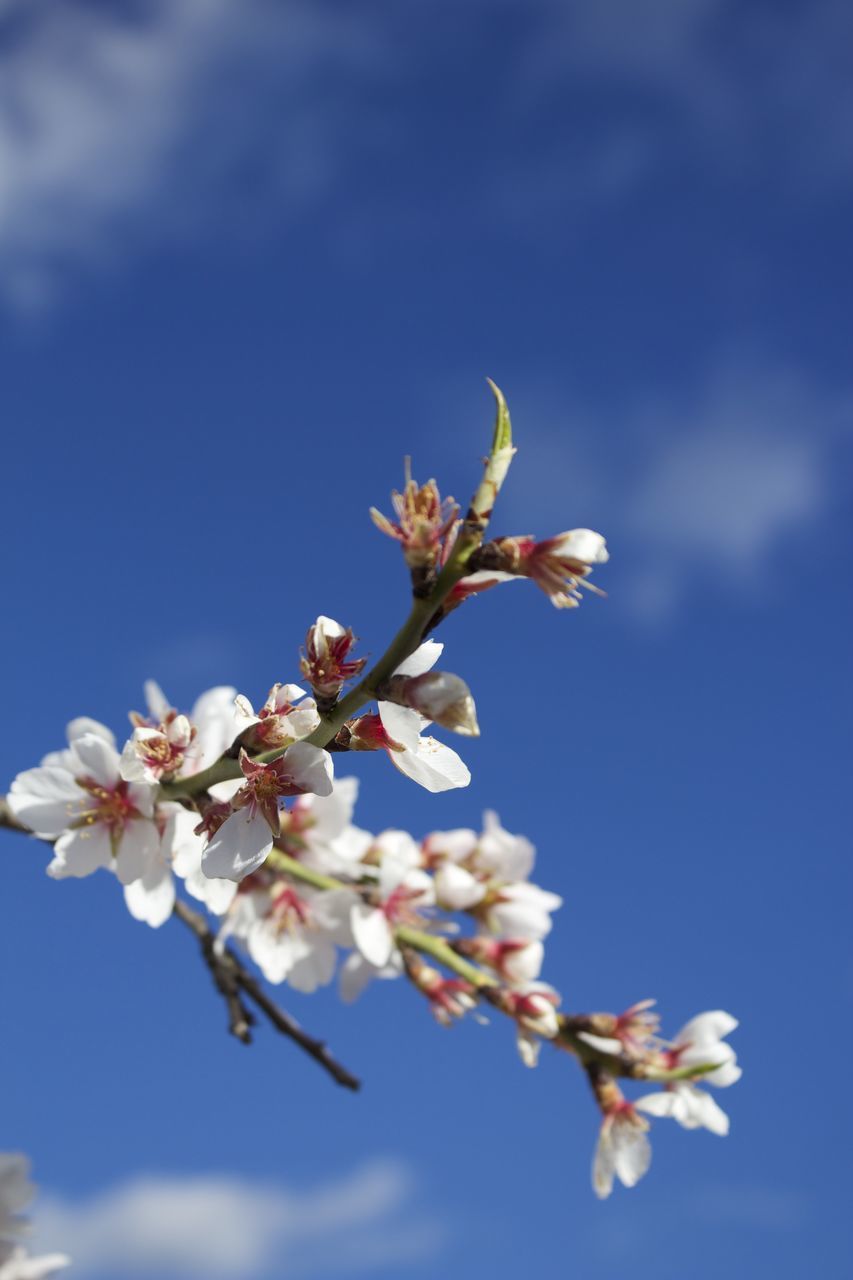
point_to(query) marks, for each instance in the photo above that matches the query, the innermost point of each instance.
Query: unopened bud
(326, 663)
(439, 696)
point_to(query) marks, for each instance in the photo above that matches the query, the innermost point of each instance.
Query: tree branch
(236, 984)
(422, 616)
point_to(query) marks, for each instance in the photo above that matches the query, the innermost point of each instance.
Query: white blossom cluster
(241, 806)
(16, 1192)
(358, 893)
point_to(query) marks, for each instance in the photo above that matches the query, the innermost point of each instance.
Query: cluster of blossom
(242, 806)
(16, 1192)
(297, 886)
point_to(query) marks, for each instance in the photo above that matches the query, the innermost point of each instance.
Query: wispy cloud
(107, 111)
(760, 78)
(710, 483)
(225, 1227)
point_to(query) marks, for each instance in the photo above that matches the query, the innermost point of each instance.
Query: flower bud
(326, 663)
(439, 696)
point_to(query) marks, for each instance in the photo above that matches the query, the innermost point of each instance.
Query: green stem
(411, 633)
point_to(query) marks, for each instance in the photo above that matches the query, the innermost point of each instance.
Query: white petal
(632, 1153)
(138, 848)
(456, 889)
(310, 768)
(402, 724)
(152, 897)
(604, 1044)
(273, 952)
(333, 813)
(80, 852)
(97, 759)
(45, 799)
(218, 724)
(582, 544)
(433, 766)
(664, 1103)
(372, 934)
(510, 857)
(423, 659)
(603, 1164)
(707, 1028)
(239, 846)
(355, 974)
(528, 1047)
(314, 969)
(83, 724)
(331, 911)
(158, 704)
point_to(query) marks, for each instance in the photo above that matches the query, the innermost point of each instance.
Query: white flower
(701, 1041)
(318, 830)
(287, 716)
(502, 855)
(534, 1007)
(95, 817)
(16, 1192)
(692, 1108)
(425, 760)
(402, 889)
(154, 753)
(623, 1150)
(522, 911)
(456, 889)
(184, 849)
(289, 940)
(244, 839)
(698, 1043)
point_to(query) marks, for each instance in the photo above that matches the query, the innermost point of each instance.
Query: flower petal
(239, 846)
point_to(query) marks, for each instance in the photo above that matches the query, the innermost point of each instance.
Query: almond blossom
(399, 732)
(402, 890)
(623, 1150)
(423, 521)
(287, 716)
(700, 1042)
(16, 1192)
(79, 800)
(327, 665)
(245, 837)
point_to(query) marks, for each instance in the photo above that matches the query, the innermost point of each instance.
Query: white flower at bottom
(18, 1265)
(623, 1150)
(16, 1191)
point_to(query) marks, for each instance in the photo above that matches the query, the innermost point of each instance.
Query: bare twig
(236, 985)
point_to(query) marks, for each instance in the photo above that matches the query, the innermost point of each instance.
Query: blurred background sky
(253, 254)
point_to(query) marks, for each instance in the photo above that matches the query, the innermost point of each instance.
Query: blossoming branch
(243, 809)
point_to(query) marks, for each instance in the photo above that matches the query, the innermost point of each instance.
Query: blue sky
(246, 265)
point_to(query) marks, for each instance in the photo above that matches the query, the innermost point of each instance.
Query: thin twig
(235, 984)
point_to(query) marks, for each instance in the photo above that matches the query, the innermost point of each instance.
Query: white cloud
(223, 1227)
(716, 482)
(107, 113)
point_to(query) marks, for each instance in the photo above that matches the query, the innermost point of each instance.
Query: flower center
(111, 806)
